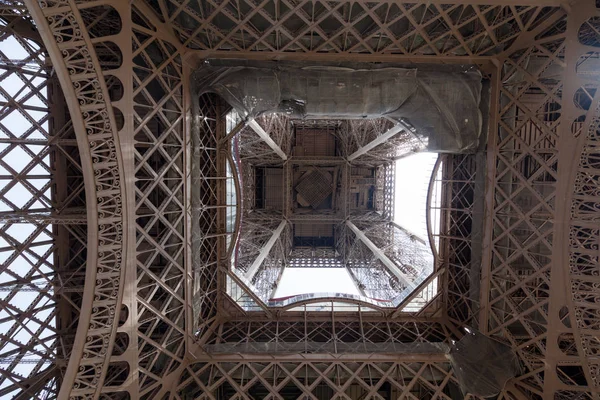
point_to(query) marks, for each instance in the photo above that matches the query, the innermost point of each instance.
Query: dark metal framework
(129, 329)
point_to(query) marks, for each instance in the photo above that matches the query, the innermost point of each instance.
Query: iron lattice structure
(383, 260)
(113, 288)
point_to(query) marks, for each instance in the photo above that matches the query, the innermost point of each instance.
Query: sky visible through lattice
(25, 250)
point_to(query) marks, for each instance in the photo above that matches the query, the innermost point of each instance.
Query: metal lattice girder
(368, 273)
(28, 218)
(361, 327)
(268, 147)
(254, 236)
(268, 279)
(264, 251)
(203, 217)
(326, 379)
(356, 134)
(469, 30)
(379, 140)
(43, 262)
(266, 138)
(93, 123)
(541, 175)
(387, 262)
(459, 185)
(98, 101)
(261, 253)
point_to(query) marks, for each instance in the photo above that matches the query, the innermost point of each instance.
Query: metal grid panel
(522, 281)
(43, 217)
(361, 28)
(319, 380)
(314, 188)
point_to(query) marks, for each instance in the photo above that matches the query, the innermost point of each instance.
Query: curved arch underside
(125, 315)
